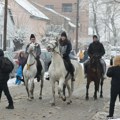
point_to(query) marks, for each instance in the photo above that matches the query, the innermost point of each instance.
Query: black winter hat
(32, 36)
(95, 36)
(64, 34)
(1, 53)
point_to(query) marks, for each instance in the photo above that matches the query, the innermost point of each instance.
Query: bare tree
(110, 18)
(21, 31)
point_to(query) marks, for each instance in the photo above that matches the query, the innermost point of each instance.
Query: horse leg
(32, 88)
(64, 88)
(70, 93)
(72, 86)
(96, 89)
(26, 85)
(41, 87)
(87, 88)
(53, 93)
(101, 92)
(60, 89)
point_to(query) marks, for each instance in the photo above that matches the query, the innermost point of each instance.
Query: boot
(110, 116)
(38, 78)
(73, 79)
(10, 107)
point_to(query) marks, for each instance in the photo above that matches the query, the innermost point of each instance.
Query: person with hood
(38, 52)
(21, 62)
(114, 73)
(65, 49)
(4, 77)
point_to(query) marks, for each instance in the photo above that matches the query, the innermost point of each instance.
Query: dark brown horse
(95, 74)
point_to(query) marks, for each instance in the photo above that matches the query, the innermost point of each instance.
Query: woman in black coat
(114, 73)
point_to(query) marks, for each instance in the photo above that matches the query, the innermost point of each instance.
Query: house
(58, 19)
(10, 27)
(28, 19)
(69, 8)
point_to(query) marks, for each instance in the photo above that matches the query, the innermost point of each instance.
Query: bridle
(54, 47)
(29, 65)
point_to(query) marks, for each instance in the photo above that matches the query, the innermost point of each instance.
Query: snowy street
(80, 109)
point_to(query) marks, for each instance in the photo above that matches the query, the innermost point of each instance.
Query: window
(67, 7)
(50, 6)
(0, 40)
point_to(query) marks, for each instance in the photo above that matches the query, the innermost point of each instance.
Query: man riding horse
(65, 49)
(37, 56)
(96, 49)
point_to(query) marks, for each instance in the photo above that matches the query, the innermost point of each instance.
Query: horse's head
(31, 48)
(53, 46)
(94, 60)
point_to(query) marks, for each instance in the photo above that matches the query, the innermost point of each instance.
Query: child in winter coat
(21, 61)
(114, 73)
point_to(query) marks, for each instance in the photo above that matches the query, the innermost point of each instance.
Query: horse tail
(79, 74)
(98, 85)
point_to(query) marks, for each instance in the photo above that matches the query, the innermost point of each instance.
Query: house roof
(51, 10)
(32, 9)
(72, 25)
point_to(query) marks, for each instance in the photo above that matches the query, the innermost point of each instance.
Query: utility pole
(77, 25)
(5, 25)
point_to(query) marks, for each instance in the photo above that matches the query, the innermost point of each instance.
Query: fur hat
(1, 53)
(117, 61)
(32, 36)
(64, 34)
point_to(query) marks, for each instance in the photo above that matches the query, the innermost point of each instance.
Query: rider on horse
(37, 57)
(96, 49)
(65, 49)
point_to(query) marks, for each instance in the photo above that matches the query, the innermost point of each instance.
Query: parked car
(46, 57)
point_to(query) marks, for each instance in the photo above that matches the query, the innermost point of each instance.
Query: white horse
(30, 71)
(58, 73)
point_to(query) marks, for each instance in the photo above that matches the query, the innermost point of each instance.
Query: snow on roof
(53, 11)
(72, 25)
(31, 9)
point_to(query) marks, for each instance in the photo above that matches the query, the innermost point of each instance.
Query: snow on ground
(11, 82)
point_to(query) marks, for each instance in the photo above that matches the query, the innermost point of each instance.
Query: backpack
(7, 66)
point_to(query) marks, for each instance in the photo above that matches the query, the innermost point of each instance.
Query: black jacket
(96, 48)
(114, 72)
(4, 77)
(65, 48)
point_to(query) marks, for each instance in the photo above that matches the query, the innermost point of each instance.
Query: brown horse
(95, 74)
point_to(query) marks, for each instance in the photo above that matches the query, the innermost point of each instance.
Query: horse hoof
(32, 98)
(101, 96)
(29, 99)
(95, 98)
(64, 99)
(68, 103)
(52, 104)
(87, 98)
(40, 98)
